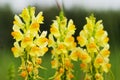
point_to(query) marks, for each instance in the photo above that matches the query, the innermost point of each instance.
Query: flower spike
(62, 42)
(30, 43)
(95, 54)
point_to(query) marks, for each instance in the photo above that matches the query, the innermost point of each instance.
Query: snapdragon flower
(30, 44)
(62, 42)
(94, 52)
(95, 42)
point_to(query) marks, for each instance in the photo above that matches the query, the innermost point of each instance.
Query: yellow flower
(54, 64)
(61, 70)
(106, 67)
(42, 41)
(51, 41)
(54, 30)
(88, 77)
(92, 47)
(98, 76)
(43, 51)
(70, 75)
(68, 63)
(38, 60)
(23, 74)
(81, 40)
(90, 24)
(17, 35)
(16, 51)
(25, 15)
(98, 61)
(27, 41)
(105, 40)
(17, 22)
(84, 67)
(34, 27)
(61, 46)
(29, 68)
(75, 54)
(85, 57)
(39, 17)
(69, 39)
(32, 12)
(35, 51)
(105, 53)
(71, 27)
(99, 33)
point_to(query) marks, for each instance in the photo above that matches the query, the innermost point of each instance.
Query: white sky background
(90, 4)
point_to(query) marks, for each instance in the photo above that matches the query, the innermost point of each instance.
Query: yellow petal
(84, 67)
(89, 25)
(39, 17)
(27, 41)
(88, 77)
(85, 57)
(69, 42)
(54, 30)
(34, 27)
(32, 12)
(75, 54)
(23, 74)
(71, 27)
(54, 64)
(106, 67)
(35, 51)
(25, 15)
(17, 35)
(98, 62)
(105, 53)
(51, 41)
(92, 47)
(81, 40)
(61, 46)
(98, 76)
(17, 50)
(42, 41)
(18, 22)
(69, 39)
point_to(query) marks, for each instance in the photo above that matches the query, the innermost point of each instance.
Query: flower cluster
(93, 40)
(62, 42)
(30, 44)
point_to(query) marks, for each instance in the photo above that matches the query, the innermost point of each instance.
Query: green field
(7, 61)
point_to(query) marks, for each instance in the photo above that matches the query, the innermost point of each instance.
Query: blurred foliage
(110, 20)
(6, 18)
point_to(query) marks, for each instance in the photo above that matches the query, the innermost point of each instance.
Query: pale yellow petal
(27, 41)
(71, 27)
(82, 40)
(17, 35)
(39, 17)
(35, 51)
(18, 22)
(54, 30)
(25, 15)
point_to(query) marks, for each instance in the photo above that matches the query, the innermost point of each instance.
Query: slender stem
(58, 5)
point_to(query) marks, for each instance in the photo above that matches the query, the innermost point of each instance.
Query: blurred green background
(9, 64)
